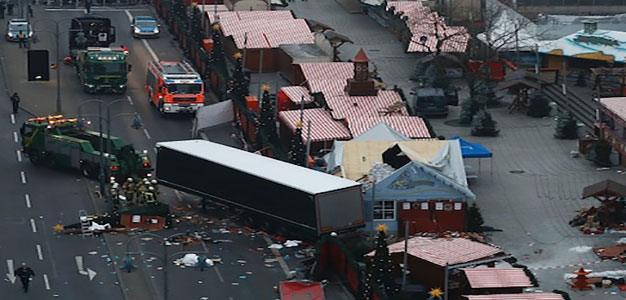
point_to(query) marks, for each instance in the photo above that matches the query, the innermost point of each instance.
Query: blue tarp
(472, 150)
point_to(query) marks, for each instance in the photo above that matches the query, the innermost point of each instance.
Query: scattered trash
(602, 169)
(199, 281)
(269, 266)
(275, 246)
(292, 243)
(580, 249)
(235, 283)
(92, 252)
(243, 277)
(191, 260)
(222, 241)
(95, 226)
(146, 238)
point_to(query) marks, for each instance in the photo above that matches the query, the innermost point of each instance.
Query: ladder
(85, 223)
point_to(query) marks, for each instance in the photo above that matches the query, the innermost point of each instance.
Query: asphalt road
(56, 196)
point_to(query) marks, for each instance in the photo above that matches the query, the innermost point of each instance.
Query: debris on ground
(191, 260)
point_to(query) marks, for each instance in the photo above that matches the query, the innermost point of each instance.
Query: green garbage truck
(102, 70)
(58, 142)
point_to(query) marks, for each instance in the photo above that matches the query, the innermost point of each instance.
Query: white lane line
(129, 15)
(219, 274)
(27, 198)
(46, 282)
(32, 225)
(155, 150)
(39, 254)
(154, 56)
(145, 131)
(15, 136)
(23, 176)
(19, 156)
(12, 119)
(130, 100)
(280, 259)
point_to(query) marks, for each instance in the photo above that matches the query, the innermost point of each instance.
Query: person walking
(2, 8)
(21, 38)
(88, 6)
(25, 273)
(30, 10)
(15, 101)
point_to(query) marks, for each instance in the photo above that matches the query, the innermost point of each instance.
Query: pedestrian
(88, 6)
(204, 203)
(10, 9)
(30, 10)
(21, 38)
(15, 100)
(2, 8)
(25, 273)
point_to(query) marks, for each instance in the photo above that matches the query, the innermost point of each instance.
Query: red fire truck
(174, 87)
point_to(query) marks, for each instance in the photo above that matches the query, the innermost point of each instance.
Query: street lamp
(136, 124)
(57, 35)
(165, 258)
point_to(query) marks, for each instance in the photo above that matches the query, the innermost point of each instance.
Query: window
(384, 210)
(184, 88)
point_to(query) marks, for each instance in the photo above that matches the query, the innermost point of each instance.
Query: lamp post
(164, 258)
(57, 35)
(104, 164)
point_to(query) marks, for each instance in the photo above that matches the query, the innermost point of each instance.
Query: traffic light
(38, 65)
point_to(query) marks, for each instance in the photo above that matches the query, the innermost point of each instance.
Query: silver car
(14, 26)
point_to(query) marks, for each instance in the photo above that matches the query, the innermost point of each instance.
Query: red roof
(410, 126)
(297, 93)
(480, 278)
(301, 290)
(443, 252)
(529, 296)
(361, 57)
(323, 127)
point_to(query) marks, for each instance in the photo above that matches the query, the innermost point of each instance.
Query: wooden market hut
(520, 81)
(608, 192)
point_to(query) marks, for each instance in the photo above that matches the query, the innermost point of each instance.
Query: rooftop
(529, 296)
(497, 277)
(606, 45)
(616, 105)
(323, 126)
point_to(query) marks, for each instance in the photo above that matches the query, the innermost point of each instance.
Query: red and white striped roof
(483, 278)
(441, 251)
(263, 29)
(345, 106)
(323, 127)
(410, 126)
(527, 296)
(616, 105)
(327, 70)
(330, 87)
(297, 93)
(422, 22)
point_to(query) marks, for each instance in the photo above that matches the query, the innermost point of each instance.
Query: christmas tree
(297, 153)
(474, 219)
(435, 294)
(239, 83)
(469, 108)
(267, 122)
(436, 76)
(566, 127)
(367, 289)
(382, 268)
(196, 26)
(484, 125)
(484, 92)
(600, 153)
(539, 106)
(217, 53)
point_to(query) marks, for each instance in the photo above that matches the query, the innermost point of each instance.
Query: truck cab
(174, 87)
(102, 70)
(97, 32)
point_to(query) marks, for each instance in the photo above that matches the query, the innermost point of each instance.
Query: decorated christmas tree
(539, 106)
(367, 289)
(217, 53)
(469, 108)
(267, 121)
(196, 26)
(382, 267)
(435, 294)
(297, 153)
(484, 125)
(566, 127)
(240, 82)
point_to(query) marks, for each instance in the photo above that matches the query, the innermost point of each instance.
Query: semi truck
(102, 70)
(281, 197)
(59, 142)
(91, 31)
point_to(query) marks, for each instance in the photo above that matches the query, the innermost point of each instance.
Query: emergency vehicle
(174, 87)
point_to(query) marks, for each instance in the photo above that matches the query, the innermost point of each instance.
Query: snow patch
(610, 274)
(580, 249)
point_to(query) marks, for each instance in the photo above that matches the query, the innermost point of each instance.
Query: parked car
(429, 102)
(145, 27)
(14, 26)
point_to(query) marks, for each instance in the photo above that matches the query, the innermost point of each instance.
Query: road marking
(219, 274)
(39, 254)
(27, 198)
(145, 131)
(154, 56)
(19, 156)
(155, 150)
(12, 119)
(280, 259)
(32, 225)
(130, 100)
(15, 136)
(46, 282)
(10, 268)
(129, 15)
(23, 175)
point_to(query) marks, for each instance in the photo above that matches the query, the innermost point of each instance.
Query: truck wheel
(150, 99)
(161, 109)
(87, 170)
(35, 158)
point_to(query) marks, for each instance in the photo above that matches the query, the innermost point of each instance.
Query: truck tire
(87, 170)
(150, 99)
(35, 158)
(161, 109)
